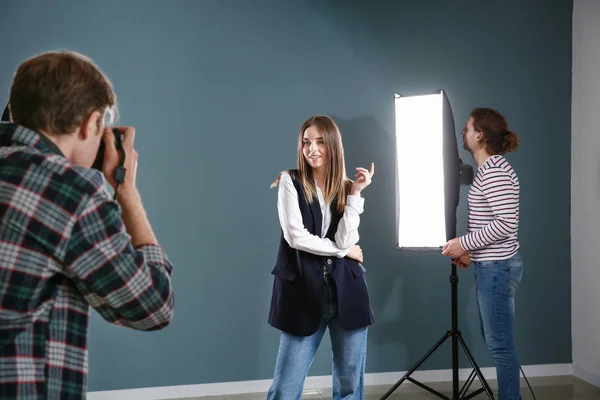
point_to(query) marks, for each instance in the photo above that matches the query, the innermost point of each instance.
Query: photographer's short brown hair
(54, 92)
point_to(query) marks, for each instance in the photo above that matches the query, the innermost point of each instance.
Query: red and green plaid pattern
(63, 248)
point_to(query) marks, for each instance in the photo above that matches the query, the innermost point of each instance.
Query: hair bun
(512, 141)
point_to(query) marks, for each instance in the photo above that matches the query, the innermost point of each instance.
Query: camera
(99, 161)
(6, 115)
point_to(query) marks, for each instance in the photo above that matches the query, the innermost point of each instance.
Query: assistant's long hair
(336, 185)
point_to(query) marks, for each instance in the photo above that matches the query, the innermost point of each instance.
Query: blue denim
(296, 354)
(497, 283)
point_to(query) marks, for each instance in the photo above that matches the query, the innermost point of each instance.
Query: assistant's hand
(453, 249)
(463, 261)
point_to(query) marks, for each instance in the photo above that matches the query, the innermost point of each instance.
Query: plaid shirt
(63, 248)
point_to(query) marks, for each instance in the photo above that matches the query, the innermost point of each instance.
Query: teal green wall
(218, 90)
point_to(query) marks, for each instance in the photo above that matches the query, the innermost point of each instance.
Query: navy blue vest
(299, 287)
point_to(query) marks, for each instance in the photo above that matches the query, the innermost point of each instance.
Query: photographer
(491, 242)
(65, 244)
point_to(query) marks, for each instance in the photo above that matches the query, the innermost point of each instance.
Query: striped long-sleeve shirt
(64, 248)
(493, 222)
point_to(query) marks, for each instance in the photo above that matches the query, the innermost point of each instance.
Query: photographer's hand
(111, 158)
(128, 197)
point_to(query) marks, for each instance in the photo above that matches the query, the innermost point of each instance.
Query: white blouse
(299, 238)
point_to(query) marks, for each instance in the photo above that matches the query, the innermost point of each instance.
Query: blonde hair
(336, 185)
(55, 91)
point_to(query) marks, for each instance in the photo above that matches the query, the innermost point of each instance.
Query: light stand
(455, 174)
(425, 220)
(456, 336)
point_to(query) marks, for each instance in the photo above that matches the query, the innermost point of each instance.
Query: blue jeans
(296, 354)
(497, 283)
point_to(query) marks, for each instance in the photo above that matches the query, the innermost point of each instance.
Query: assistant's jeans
(497, 283)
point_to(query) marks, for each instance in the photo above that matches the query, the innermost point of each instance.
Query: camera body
(6, 114)
(99, 161)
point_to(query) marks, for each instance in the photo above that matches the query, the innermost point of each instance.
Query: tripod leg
(455, 382)
(526, 380)
(487, 388)
(417, 365)
(467, 384)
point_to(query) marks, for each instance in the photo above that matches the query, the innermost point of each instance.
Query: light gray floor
(547, 388)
